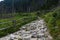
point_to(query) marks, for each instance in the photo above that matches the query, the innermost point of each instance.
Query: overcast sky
(1, 0)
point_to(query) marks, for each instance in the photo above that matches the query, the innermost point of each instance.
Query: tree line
(9, 6)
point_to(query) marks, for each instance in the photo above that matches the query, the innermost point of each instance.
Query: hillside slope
(53, 22)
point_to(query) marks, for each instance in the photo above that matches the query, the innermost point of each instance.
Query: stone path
(36, 30)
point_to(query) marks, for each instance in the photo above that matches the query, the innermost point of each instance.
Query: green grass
(16, 17)
(21, 19)
(53, 22)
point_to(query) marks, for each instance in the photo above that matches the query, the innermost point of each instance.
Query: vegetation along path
(36, 30)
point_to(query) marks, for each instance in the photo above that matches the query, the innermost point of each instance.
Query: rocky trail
(36, 30)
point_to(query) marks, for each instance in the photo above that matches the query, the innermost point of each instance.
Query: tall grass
(13, 27)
